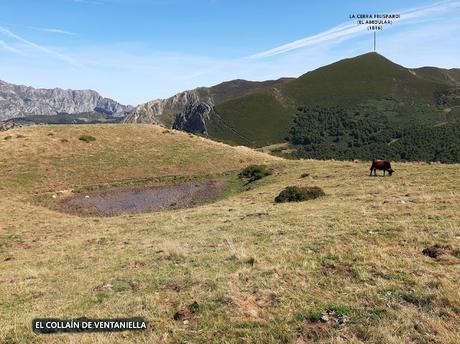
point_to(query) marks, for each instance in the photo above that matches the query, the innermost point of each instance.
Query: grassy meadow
(344, 268)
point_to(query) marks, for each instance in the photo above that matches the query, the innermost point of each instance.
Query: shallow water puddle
(140, 199)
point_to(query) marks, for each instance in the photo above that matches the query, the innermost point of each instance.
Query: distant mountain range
(360, 107)
(21, 101)
(261, 113)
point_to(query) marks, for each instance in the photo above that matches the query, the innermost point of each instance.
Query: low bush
(255, 172)
(298, 194)
(87, 138)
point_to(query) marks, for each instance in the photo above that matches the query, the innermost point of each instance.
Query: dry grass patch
(171, 250)
(359, 248)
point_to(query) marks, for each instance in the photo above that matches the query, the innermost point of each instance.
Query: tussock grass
(86, 138)
(356, 252)
(171, 250)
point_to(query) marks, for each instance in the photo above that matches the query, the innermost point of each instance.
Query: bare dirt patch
(337, 268)
(186, 313)
(142, 199)
(436, 251)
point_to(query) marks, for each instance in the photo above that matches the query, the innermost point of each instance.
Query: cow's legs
(384, 173)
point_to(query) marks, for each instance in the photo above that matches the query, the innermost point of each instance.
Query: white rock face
(18, 101)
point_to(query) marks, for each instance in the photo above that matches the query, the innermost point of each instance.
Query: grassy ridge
(259, 272)
(53, 157)
(237, 88)
(449, 76)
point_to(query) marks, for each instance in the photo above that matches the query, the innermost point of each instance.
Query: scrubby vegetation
(372, 132)
(298, 194)
(87, 138)
(255, 172)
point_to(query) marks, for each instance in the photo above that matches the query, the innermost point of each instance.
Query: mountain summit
(261, 113)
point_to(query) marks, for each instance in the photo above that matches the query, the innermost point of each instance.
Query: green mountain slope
(166, 111)
(265, 116)
(367, 88)
(369, 76)
(257, 119)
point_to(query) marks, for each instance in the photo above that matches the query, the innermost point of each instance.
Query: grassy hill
(347, 267)
(351, 81)
(367, 88)
(265, 116)
(53, 157)
(260, 114)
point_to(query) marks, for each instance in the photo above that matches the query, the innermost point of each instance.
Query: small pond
(142, 199)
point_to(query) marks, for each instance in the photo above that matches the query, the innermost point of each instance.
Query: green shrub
(307, 315)
(255, 172)
(337, 309)
(298, 194)
(87, 138)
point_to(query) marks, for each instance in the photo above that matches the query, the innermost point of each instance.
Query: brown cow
(384, 165)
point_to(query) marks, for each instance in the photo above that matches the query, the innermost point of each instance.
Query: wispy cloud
(336, 33)
(429, 10)
(349, 30)
(38, 47)
(7, 47)
(51, 30)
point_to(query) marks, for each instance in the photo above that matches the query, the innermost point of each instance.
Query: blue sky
(138, 50)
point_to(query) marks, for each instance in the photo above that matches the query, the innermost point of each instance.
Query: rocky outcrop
(15, 123)
(194, 118)
(19, 101)
(164, 111)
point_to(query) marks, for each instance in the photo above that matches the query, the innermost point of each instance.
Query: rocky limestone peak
(19, 101)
